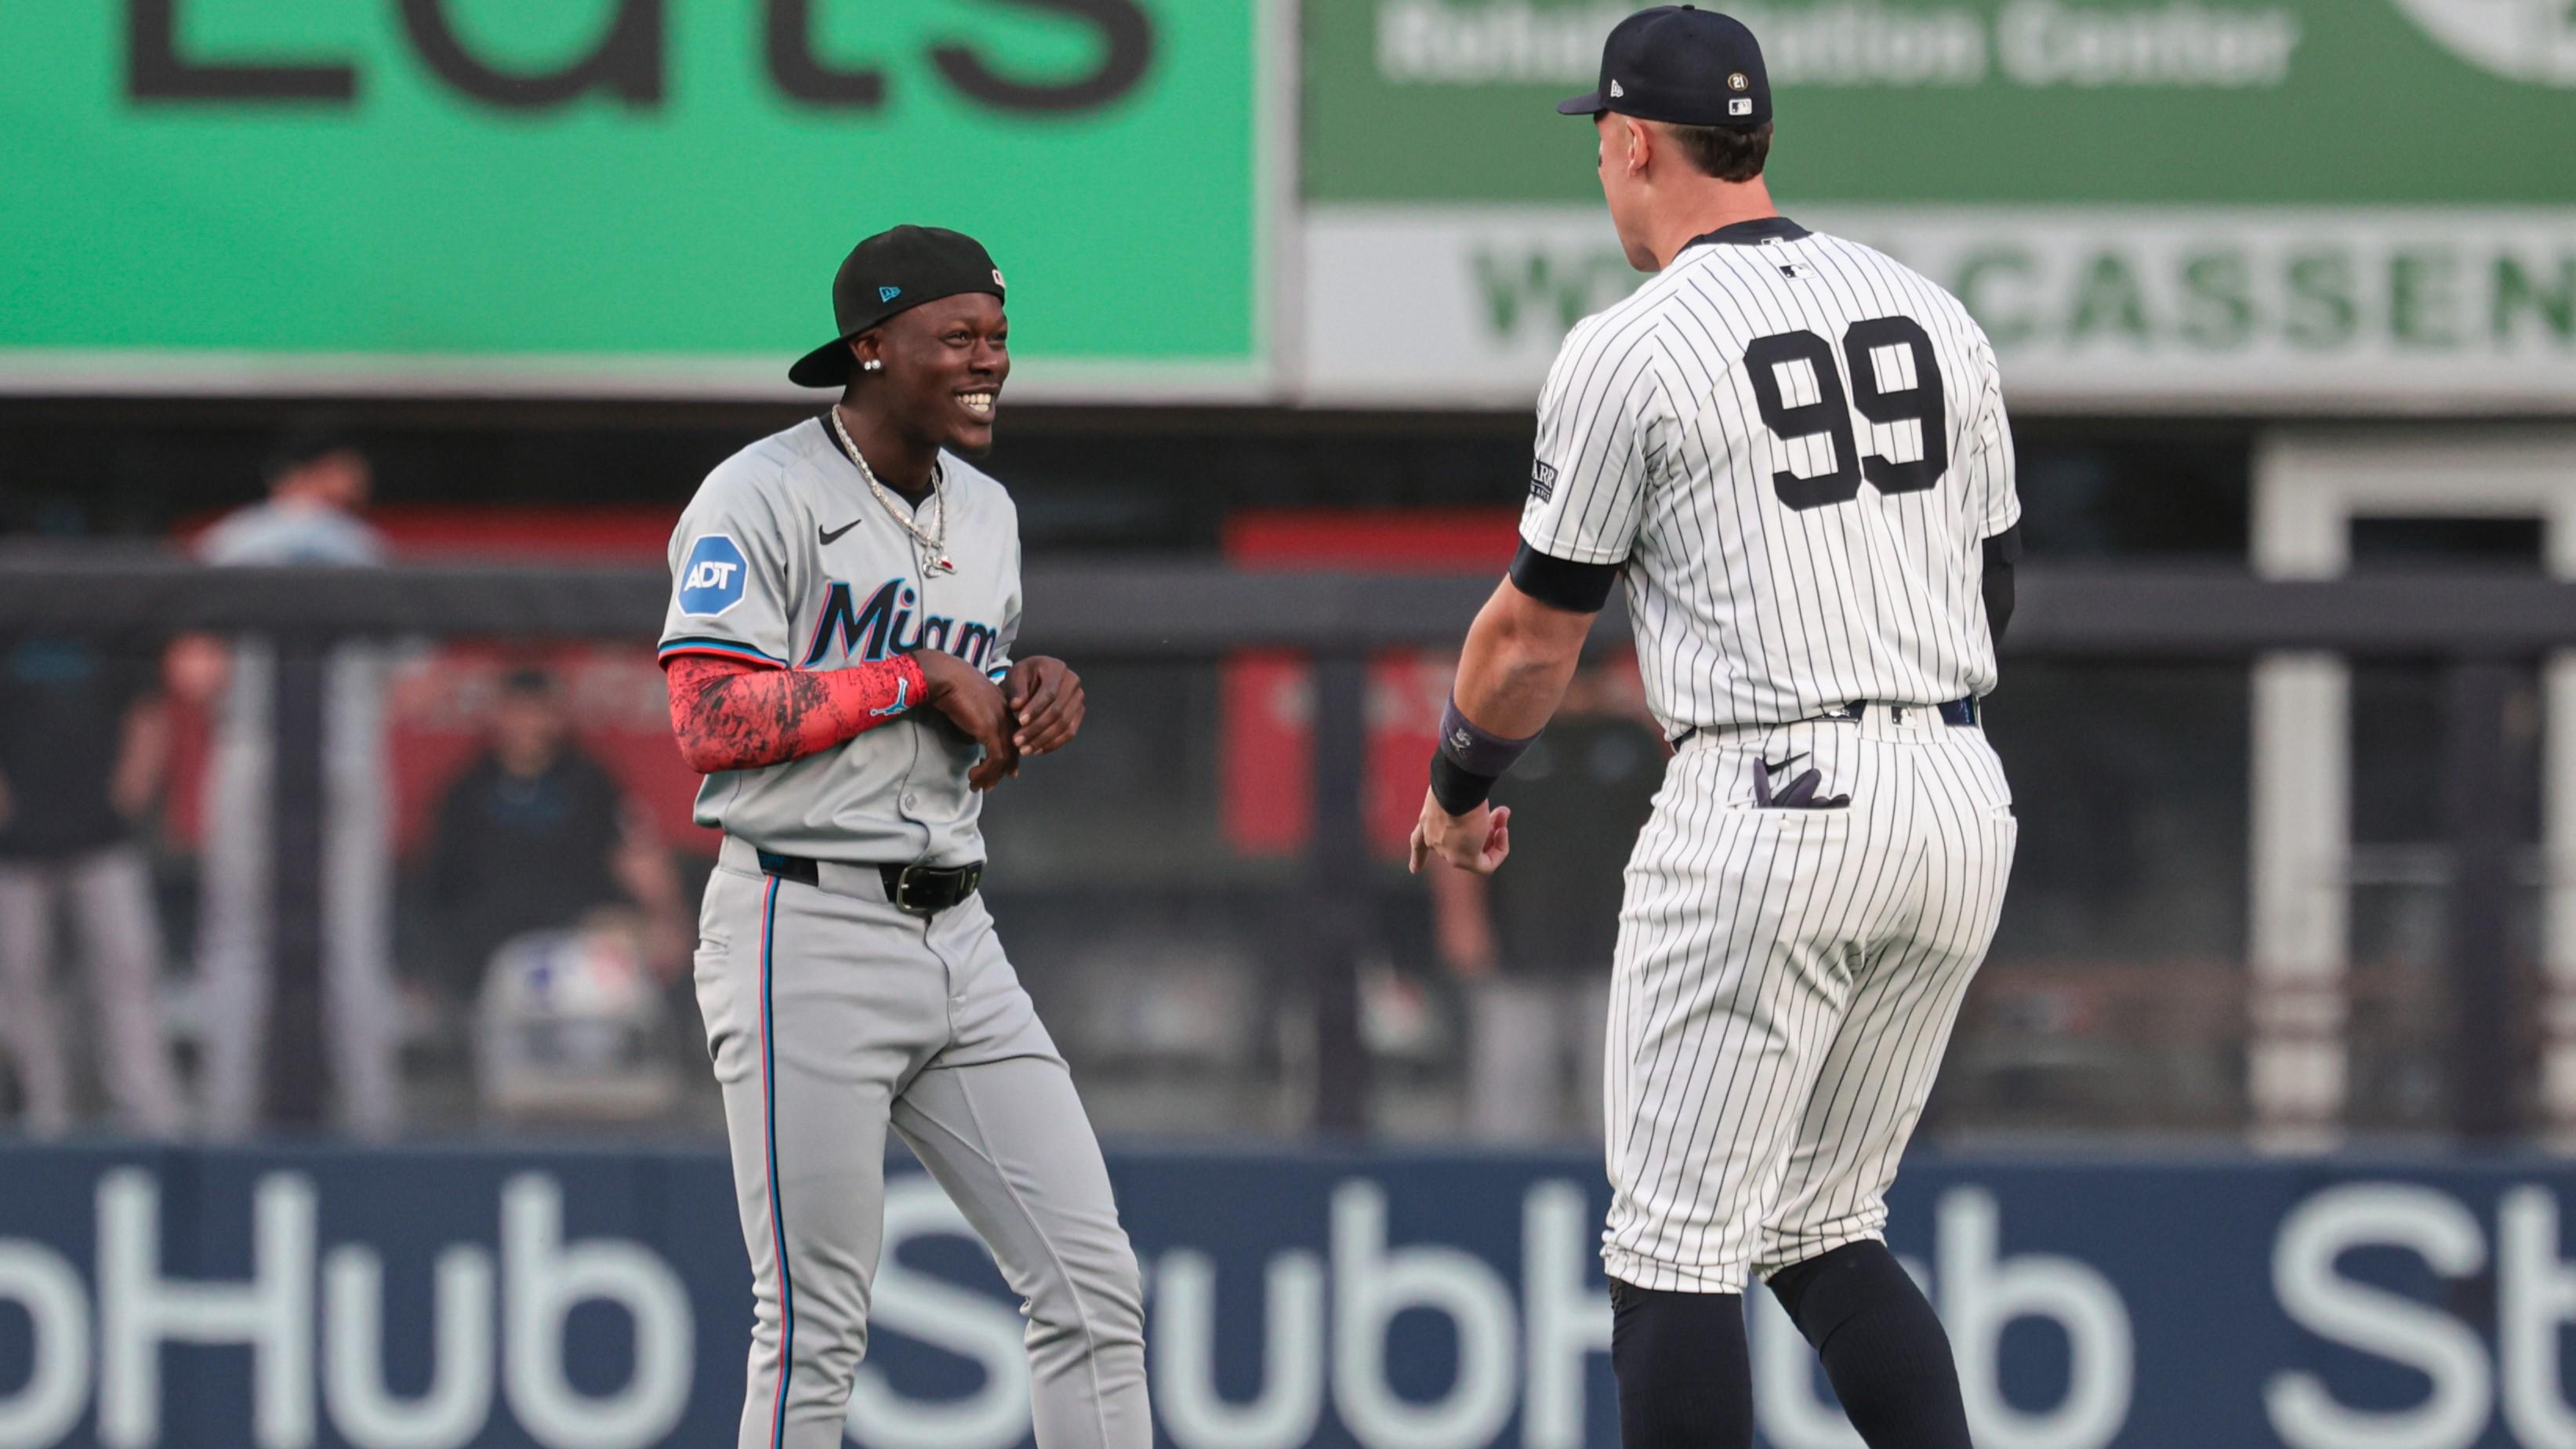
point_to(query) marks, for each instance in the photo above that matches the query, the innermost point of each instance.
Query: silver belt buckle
(903, 902)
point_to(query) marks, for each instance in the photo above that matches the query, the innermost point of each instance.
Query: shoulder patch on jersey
(711, 577)
(1542, 480)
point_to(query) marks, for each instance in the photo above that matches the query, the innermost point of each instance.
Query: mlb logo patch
(1542, 481)
(1740, 106)
(711, 577)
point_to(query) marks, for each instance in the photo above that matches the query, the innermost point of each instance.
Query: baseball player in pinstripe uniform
(845, 600)
(1794, 450)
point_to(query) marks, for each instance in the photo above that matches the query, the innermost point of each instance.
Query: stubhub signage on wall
(594, 1300)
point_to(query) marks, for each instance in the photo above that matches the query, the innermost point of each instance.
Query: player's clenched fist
(1477, 840)
(1046, 698)
(975, 705)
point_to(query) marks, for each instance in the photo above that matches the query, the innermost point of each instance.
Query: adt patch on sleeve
(711, 578)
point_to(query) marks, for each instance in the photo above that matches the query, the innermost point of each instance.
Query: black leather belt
(919, 890)
(1960, 712)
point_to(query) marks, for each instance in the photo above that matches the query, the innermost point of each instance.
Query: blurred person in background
(83, 743)
(318, 481)
(1531, 946)
(536, 835)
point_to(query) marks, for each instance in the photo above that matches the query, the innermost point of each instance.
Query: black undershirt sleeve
(1577, 588)
(2002, 552)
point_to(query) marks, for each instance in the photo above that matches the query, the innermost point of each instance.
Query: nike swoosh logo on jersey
(833, 535)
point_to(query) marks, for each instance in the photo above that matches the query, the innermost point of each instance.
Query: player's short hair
(302, 445)
(1725, 152)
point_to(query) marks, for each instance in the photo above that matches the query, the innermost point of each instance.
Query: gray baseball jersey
(785, 558)
(833, 1017)
(1797, 448)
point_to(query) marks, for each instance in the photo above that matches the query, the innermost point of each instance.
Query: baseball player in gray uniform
(846, 595)
(1794, 451)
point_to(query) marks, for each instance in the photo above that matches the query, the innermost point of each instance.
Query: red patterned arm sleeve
(730, 714)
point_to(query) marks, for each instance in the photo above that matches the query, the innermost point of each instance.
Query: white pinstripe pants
(1785, 983)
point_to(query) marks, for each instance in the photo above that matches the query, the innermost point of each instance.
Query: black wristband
(1458, 789)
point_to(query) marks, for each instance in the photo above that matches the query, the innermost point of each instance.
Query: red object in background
(435, 725)
(612, 691)
(612, 694)
(1267, 696)
(439, 701)
(1374, 541)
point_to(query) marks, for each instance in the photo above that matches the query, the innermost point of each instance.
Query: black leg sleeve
(1685, 1378)
(1882, 1346)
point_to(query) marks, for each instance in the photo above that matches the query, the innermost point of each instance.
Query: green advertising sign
(615, 193)
(2293, 206)
(1946, 102)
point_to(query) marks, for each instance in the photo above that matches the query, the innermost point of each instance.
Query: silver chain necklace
(934, 541)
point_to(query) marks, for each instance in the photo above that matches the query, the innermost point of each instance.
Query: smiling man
(845, 595)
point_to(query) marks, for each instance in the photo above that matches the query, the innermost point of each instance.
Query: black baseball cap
(1682, 65)
(894, 271)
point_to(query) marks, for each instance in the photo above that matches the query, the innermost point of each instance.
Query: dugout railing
(2482, 631)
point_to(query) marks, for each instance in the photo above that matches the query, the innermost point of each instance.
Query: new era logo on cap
(897, 269)
(1616, 89)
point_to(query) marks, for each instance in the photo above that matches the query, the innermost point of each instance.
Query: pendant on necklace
(945, 565)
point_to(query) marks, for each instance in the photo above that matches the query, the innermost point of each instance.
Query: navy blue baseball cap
(1682, 65)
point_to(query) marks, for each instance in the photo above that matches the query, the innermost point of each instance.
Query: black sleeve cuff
(1577, 588)
(2001, 551)
(1456, 788)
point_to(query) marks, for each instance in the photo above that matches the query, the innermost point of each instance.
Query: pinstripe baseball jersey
(1796, 446)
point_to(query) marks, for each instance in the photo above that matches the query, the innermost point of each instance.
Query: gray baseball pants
(830, 1016)
(110, 893)
(236, 935)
